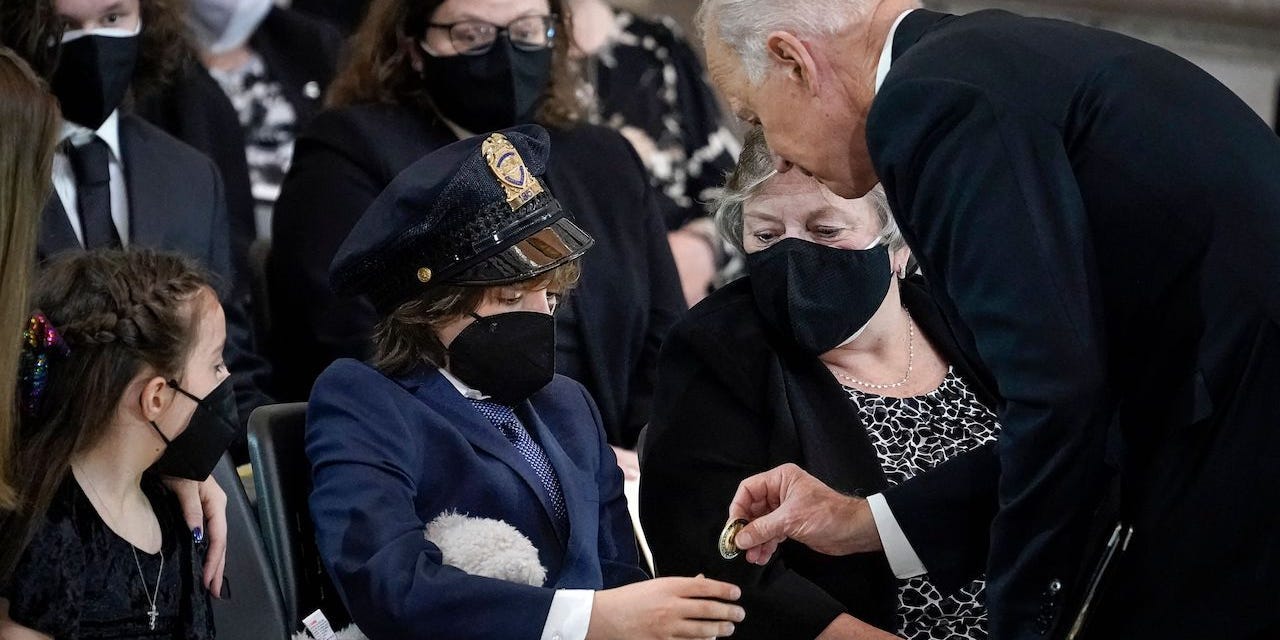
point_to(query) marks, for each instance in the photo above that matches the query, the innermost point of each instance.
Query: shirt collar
(109, 132)
(886, 54)
(467, 392)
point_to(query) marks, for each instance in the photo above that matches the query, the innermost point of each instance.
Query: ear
(412, 47)
(898, 261)
(793, 55)
(154, 398)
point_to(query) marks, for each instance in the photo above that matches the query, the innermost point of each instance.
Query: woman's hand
(847, 627)
(665, 608)
(204, 507)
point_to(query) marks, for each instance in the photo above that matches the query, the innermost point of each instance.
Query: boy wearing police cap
(465, 255)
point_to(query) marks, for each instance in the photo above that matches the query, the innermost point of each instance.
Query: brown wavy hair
(380, 68)
(28, 26)
(120, 313)
(28, 132)
(406, 339)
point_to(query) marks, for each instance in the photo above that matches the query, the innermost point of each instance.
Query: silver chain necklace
(911, 357)
(153, 597)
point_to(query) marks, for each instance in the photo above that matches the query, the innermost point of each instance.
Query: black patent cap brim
(558, 243)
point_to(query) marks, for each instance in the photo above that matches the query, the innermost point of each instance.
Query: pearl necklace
(911, 357)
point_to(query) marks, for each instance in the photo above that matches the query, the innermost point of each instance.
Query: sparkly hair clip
(41, 344)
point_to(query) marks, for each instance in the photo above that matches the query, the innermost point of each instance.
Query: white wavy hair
(754, 170)
(744, 25)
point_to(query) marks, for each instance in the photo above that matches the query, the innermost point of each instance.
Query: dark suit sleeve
(250, 373)
(988, 202)
(666, 306)
(323, 197)
(619, 559)
(960, 492)
(705, 440)
(366, 455)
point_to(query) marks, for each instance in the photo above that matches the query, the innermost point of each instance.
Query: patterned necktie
(90, 164)
(504, 418)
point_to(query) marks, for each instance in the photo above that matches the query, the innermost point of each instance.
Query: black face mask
(93, 75)
(495, 90)
(213, 427)
(818, 296)
(507, 356)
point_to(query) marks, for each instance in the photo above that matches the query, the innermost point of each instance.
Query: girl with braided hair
(122, 380)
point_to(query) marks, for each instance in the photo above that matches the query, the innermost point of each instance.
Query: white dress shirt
(570, 613)
(903, 559)
(64, 180)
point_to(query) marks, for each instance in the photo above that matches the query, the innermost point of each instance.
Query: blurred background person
(122, 379)
(28, 131)
(645, 80)
(120, 181)
(825, 355)
(274, 65)
(466, 255)
(422, 75)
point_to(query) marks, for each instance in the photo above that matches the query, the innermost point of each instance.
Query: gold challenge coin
(728, 549)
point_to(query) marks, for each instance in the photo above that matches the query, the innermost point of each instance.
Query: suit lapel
(566, 471)
(146, 182)
(56, 234)
(434, 390)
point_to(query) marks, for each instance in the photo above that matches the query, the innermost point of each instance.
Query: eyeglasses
(476, 37)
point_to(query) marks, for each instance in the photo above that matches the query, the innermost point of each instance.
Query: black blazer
(1100, 223)
(734, 400)
(176, 204)
(607, 337)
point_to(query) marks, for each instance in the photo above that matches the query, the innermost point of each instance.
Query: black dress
(79, 580)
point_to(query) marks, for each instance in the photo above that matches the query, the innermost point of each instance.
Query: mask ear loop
(172, 384)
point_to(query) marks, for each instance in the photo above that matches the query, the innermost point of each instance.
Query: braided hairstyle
(120, 313)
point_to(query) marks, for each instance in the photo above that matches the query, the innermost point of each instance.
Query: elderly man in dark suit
(1100, 222)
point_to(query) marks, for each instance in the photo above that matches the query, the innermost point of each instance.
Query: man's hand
(787, 503)
(204, 507)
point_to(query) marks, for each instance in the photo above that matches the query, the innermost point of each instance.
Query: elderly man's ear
(796, 59)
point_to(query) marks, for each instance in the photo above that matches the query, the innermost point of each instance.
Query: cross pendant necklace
(152, 597)
(151, 615)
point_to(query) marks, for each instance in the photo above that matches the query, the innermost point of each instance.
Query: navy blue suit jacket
(389, 455)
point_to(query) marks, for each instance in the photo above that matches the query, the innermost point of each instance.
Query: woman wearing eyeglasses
(421, 75)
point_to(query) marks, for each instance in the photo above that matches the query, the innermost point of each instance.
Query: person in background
(645, 80)
(274, 65)
(466, 255)
(28, 131)
(827, 356)
(122, 379)
(422, 75)
(120, 181)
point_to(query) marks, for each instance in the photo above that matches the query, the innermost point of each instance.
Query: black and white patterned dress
(913, 435)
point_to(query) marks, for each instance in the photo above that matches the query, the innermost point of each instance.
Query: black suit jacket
(734, 400)
(628, 298)
(176, 203)
(1100, 222)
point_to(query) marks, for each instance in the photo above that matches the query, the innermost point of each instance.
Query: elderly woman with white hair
(828, 355)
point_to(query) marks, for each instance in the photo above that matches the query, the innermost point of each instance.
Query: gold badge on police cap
(508, 167)
(728, 548)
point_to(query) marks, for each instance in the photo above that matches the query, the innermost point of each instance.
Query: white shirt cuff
(570, 615)
(903, 560)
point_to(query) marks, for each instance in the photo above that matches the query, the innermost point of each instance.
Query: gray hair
(754, 169)
(744, 25)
